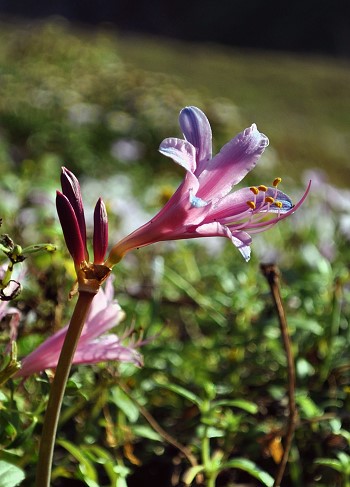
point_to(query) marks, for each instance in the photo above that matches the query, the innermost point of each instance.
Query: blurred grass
(301, 103)
(72, 93)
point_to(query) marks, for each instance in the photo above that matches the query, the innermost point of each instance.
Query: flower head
(70, 211)
(94, 345)
(203, 205)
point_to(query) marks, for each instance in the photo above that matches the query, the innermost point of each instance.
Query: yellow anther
(276, 181)
(269, 199)
(251, 205)
(262, 187)
(254, 190)
(278, 204)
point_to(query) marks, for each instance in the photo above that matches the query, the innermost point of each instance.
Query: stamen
(262, 187)
(269, 199)
(254, 190)
(251, 204)
(278, 204)
(276, 181)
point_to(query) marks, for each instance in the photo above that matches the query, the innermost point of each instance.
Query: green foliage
(213, 386)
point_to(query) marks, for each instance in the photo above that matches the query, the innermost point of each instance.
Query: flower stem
(58, 387)
(272, 276)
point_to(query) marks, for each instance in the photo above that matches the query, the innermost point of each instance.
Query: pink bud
(70, 227)
(100, 238)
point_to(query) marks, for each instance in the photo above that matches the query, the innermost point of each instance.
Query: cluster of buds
(70, 211)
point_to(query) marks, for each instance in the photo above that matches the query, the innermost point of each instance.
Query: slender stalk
(156, 426)
(58, 387)
(272, 276)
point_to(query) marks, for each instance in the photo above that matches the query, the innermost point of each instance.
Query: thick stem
(58, 387)
(271, 273)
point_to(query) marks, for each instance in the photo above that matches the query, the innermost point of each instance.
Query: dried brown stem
(164, 434)
(272, 275)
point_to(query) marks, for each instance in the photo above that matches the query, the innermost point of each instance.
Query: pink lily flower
(203, 205)
(94, 344)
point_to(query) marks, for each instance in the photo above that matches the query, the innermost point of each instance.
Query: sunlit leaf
(10, 475)
(252, 469)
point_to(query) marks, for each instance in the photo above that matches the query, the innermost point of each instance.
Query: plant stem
(58, 387)
(156, 426)
(272, 276)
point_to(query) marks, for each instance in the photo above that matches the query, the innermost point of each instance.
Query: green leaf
(252, 469)
(182, 392)
(86, 467)
(210, 432)
(115, 474)
(307, 406)
(125, 403)
(45, 247)
(146, 432)
(191, 473)
(330, 462)
(248, 406)
(10, 475)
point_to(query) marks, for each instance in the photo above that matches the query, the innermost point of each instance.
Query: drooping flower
(70, 211)
(95, 344)
(203, 205)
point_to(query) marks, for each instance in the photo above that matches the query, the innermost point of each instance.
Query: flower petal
(196, 129)
(233, 162)
(234, 205)
(180, 151)
(104, 349)
(92, 347)
(241, 240)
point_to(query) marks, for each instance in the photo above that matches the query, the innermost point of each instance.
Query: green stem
(212, 479)
(206, 461)
(206, 451)
(58, 387)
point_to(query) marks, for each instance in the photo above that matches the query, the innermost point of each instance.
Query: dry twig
(272, 275)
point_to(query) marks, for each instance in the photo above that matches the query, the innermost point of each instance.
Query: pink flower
(94, 345)
(203, 205)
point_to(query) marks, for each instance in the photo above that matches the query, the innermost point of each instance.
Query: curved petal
(234, 205)
(233, 162)
(105, 349)
(241, 240)
(264, 225)
(180, 151)
(102, 322)
(196, 129)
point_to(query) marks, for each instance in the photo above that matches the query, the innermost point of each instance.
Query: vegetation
(213, 388)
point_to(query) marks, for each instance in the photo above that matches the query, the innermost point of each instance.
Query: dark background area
(311, 26)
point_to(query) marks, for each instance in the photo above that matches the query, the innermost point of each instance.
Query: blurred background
(283, 66)
(299, 26)
(96, 86)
